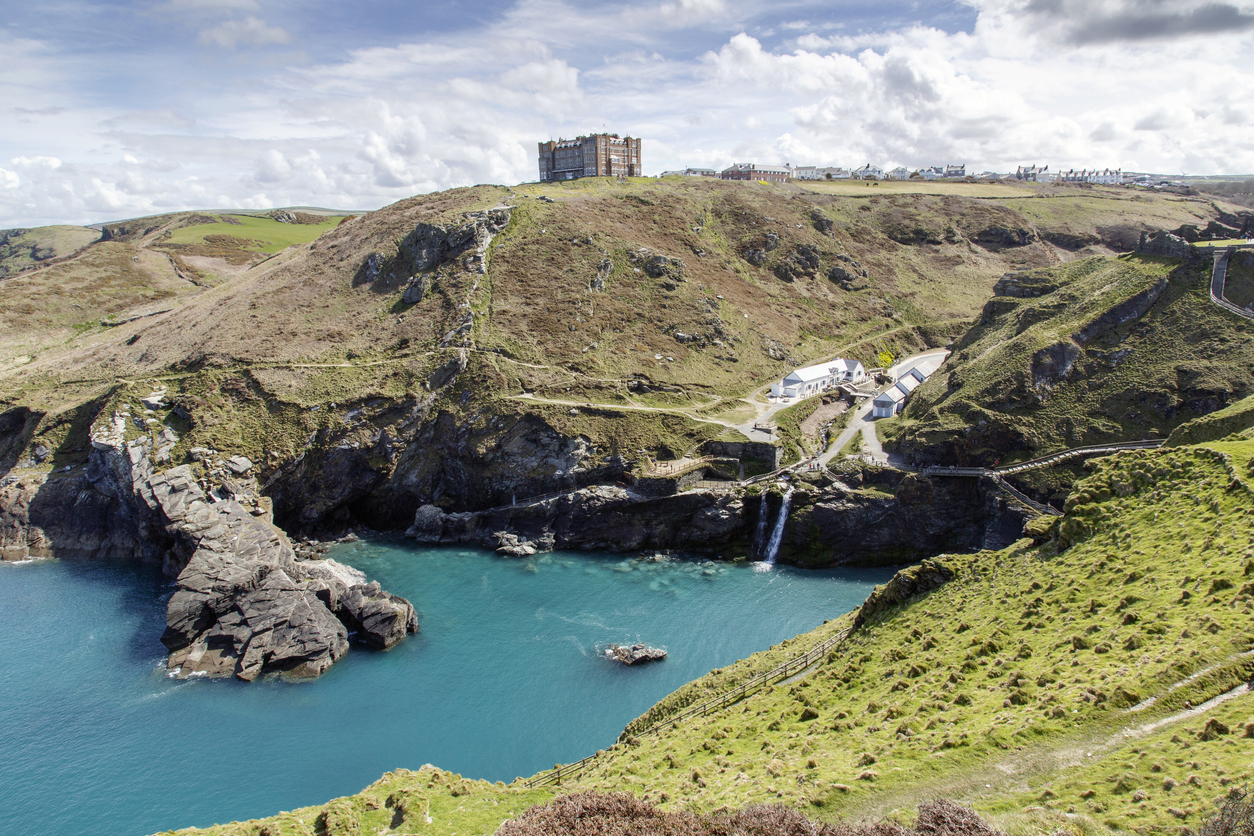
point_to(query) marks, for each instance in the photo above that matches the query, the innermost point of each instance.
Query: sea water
(504, 679)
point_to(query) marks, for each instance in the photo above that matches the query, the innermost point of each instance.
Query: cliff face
(869, 518)
(244, 606)
(884, 517)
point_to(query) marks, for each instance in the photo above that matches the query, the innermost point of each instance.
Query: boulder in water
(635, 654)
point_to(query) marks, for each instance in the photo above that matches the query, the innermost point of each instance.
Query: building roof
(889, 396)
(809, 373)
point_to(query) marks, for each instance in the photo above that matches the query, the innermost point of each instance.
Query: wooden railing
(740, 692)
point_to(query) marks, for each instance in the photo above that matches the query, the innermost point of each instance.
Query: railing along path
(740, 692)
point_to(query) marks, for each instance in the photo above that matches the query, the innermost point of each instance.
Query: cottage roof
(891, 395)
(809, 373)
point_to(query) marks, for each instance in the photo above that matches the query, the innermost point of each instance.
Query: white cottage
(820, 377)
(892, 400)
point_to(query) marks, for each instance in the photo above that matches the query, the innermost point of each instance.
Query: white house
(869, 172)
(933, 173)
(899, 173)
(820, 377)
(893, 399)
(690, 172)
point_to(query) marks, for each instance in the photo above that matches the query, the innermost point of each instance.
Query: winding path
(1219, 277)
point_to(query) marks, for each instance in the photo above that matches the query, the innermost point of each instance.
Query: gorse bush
(620, 814)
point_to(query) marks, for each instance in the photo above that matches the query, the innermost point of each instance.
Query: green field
(265, 235)
(1223, 242)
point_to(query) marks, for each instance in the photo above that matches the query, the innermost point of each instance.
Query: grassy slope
(262, 234)
(1239, 282)
(303, 331)
(1142, 379)
(1022, 684)
(34, 246)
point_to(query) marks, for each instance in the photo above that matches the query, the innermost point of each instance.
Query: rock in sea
(636, 654)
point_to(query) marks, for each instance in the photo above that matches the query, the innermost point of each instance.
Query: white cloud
(412, 115)
(691, 12)
(35, 162)
(251, 31)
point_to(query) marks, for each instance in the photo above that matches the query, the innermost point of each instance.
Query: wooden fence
(740, 692)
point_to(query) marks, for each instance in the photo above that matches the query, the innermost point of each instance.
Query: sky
(121, 108)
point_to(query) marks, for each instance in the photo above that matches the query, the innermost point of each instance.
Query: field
(261, 234)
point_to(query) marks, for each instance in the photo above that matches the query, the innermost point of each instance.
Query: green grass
(1138, 379)
(1220, 242)
(1010, 688)
(264, 235)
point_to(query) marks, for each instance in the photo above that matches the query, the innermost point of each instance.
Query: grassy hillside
(1101, 349)
(772, 277)
(1099, 673)
(23, 249)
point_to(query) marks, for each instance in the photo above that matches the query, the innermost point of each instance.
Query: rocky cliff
(244, 605)
(867, 517)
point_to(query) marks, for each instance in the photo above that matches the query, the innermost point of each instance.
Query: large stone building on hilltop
(596, 155)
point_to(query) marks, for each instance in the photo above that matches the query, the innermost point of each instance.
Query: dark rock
(997, 238)
(658, 266)
(912, 235)
(821, 222)
(803, 263)
(379, 618)
(604, 270)
(1025, 285)
(755, 256)
(1163, 243)
(416, 289)
(634, 655)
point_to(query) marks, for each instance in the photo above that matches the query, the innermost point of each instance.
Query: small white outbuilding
(892, 400)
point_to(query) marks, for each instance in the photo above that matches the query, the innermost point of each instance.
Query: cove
(504, 679)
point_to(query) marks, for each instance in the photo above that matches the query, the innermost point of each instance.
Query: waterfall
(759, 540)
(778, 533)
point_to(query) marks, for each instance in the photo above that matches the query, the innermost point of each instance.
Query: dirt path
(1029, 768)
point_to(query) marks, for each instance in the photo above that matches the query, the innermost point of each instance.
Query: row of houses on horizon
(609, 155)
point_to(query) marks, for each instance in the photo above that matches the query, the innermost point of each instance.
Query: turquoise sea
(504, 679)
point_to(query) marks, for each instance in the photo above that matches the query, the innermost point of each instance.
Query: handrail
(1218, 279)
(782, 671)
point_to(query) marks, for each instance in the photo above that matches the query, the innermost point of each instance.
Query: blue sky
(117, 109)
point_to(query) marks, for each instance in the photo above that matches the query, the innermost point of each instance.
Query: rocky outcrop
(244, 605)
(906, 584)
(379, 618)
(599, 518)
(1163, 243)
(1025, 285)
(1134, 307)
(802, 263)
(881, 517)
(636, 654)
(658, 266)
(998, 237)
